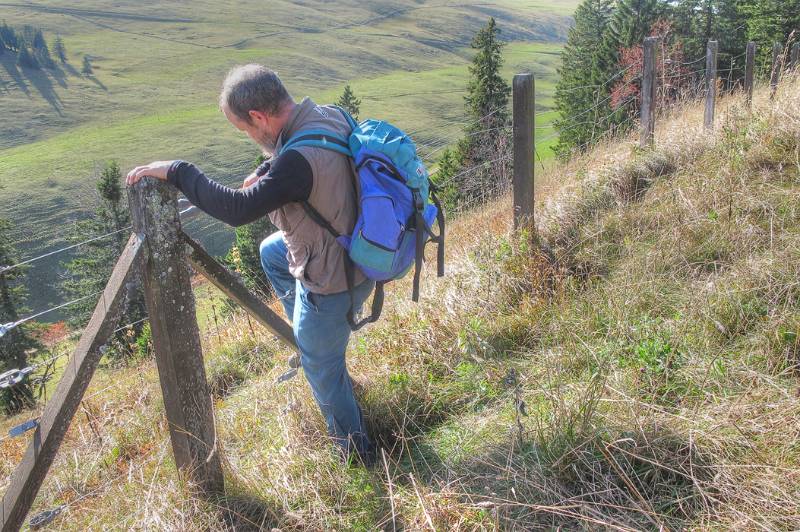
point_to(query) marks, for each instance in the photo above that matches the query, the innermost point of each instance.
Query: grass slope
(158, 68)
(640, 374)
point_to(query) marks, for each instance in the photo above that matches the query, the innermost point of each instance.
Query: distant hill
(157, 71)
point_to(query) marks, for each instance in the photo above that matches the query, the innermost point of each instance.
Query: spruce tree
(59, 49)
(487, 92)
(38, 41)
(42, 53)
(699, 21)
(627, 27)
(349, 102)
(244, 256)
(17, 341)
(486, 149)
(580, 86)
(768, 22)
(89, 272)
(86, 69)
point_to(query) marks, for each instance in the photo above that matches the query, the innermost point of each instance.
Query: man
(303, 261)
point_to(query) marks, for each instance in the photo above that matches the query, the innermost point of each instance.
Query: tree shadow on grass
(96, 82)
(8, 61)
(44, 85)
(58, 74)
(245, 513)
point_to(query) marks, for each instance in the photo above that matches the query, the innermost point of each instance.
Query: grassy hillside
(641, 373)
(158, 67)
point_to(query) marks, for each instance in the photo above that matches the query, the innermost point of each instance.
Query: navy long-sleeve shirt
(283, 180)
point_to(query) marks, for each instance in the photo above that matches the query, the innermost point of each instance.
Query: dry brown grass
(656, 359)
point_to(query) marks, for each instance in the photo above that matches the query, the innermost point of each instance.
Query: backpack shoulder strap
(319, 138)
(350, 120)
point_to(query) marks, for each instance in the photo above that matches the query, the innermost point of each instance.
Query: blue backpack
(396, 203)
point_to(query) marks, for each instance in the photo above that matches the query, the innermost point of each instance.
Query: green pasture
(157, 71)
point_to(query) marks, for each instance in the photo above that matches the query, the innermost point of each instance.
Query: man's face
(258, 128)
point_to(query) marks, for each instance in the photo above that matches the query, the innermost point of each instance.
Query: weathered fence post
(749, 72)
(648, 115)
(777, 66)
(711, 83)
(176, 337)
(795, 57)
(524, 150)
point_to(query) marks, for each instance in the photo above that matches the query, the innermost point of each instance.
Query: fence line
(155, 211)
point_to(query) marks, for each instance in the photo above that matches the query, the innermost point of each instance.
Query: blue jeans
(322, 332)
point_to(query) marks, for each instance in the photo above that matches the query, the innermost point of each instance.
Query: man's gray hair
(253, 87)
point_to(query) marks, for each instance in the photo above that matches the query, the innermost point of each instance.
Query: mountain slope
(653, 349)
(158, 67)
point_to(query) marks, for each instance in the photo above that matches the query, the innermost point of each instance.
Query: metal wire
(6, 327)
(61, 250)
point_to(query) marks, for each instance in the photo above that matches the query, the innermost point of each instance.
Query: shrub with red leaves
(672, 74)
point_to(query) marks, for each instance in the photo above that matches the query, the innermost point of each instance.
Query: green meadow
(158, 67)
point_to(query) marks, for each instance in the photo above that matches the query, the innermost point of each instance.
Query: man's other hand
(250, 180)
(157, 169)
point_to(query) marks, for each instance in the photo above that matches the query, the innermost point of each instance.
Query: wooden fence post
(749, 72)
(795, 57)
(524, 150)
(777, 66)
(711, 83)
(176, 337)
(648, 123)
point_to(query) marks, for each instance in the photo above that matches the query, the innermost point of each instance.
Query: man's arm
(289, 178)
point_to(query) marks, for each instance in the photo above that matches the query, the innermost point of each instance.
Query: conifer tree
(486, 148)
(59, 49)
(42, 54)
(38, 41)
(89, 272)
(244, 256)
(768, 22)
(349, 102)
(580, 86)
(17, 341)
(27, 34)
(698, 21)
(487, 92)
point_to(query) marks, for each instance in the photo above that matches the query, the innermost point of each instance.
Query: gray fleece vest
(315, 258)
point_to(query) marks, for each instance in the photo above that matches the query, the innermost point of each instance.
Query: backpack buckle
(418, 203)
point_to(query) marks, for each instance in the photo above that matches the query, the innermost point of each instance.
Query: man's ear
(258, 117)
